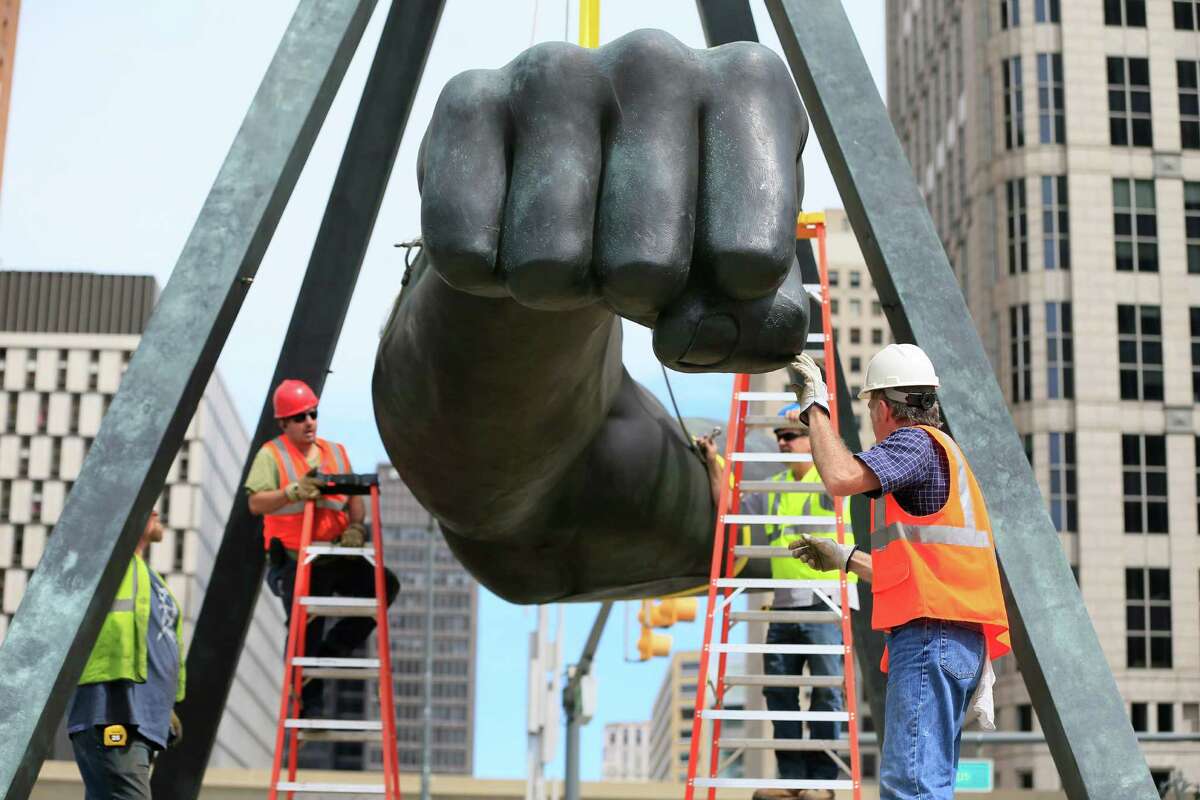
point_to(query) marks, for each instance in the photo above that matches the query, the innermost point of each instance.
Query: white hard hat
(899, 365)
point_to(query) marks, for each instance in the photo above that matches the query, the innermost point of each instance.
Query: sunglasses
(303, 415)
(788, 436)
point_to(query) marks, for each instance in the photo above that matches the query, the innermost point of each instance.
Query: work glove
(709, 144)
(821, 552)
(176, 731)
(307, 488)
(354, 535)
(809, 386)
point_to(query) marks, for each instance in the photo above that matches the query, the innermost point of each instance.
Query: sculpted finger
(646, 216)
(463, 174)
(704, 331)
(557, 99)
(752, 131)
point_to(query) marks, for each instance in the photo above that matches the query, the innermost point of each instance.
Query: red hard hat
(292, 397)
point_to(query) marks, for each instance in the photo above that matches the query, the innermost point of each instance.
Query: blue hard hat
(789, 424)
(791, 407)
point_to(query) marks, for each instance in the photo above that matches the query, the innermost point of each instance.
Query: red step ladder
(724, 586)
(297, 666)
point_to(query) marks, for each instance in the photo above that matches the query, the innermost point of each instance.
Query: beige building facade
(65, 340)
(1058, 147)
(626, 751)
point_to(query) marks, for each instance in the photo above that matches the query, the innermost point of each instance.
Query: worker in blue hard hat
(792, 437)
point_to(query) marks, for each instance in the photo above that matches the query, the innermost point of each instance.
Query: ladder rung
(792, 521)
(782, 716)
(791, 649)
(340, 606)
(814, 291)
(332, 788)
(774, 583)
(353, 663)
(341, 736)
(814, 681)
(764, 783)
(334, 724)
(761, 551)
(816, 338)
(838, 745)
(784, 616)
(766, 421)
(337, 550)
(341, 673)
(787, 458)
(781, 487)
(778, 396)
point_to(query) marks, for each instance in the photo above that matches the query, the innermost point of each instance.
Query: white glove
(821, 552)
(811, 390)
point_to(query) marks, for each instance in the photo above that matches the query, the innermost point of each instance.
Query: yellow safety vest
(121, 652)
(801, 504)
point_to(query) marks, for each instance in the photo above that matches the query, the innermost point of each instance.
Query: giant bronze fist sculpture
(644, 180)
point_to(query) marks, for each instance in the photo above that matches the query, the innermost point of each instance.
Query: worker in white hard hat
(932, 565)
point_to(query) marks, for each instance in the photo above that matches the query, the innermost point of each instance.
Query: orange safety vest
(942, 565)
(330, 518)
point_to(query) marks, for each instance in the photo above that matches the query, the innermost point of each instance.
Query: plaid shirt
(911, 466)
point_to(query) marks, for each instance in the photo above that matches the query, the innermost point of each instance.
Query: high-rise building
(671, 721)
(414, 549)
(1058, 148)
(626, 751)
(65, 340)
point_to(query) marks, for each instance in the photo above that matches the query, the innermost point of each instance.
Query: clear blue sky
(121, 116)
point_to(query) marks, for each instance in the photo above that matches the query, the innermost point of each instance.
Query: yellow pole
(589, 23)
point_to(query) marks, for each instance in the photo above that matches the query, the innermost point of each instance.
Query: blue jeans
(933, 669)
(793, 764)
(113, 773)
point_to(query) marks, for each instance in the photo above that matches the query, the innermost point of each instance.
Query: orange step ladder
(724, 586)
(297, 666)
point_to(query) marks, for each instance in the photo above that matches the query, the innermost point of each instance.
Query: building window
(1148, 619)
(855, 335)
(1194, 314)
(1051, 121)
(1063, 508)
(1130, 13)
(1139, 717)
(1025, 717)
(1045, 11)
(876, 335)
(1144, 482)
(1010, 14)
(1191, 223)
(1189, 104)
(855, 364)
(1056, 223)
(1027, 444)
(1139, 350)
(1187, 15)
(1020, 352)
(833, 277)
(855, 279)
(1197, 462)
(1166, 717)
(1018, 234)
(1014, 103)
(1129, 101)
(876, 308)
(1135, 227)
(1060, 352)
(856, 307)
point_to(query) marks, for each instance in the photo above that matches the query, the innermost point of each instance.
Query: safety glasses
(787, 436)
(303, 415)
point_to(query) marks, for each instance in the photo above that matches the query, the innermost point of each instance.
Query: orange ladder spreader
(724, 586)
(298, 666)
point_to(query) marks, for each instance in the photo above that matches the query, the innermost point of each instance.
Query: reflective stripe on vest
(940, 565)
(287, 522)
(790, 568)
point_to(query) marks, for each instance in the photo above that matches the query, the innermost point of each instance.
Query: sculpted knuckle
(463, 93)
(548, 68)
(651, 49)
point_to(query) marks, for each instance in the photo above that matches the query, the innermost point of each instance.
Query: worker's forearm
(860, 565)
(268, 501)
(830, 456)
(357, 509)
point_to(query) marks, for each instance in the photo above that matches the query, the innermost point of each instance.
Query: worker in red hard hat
(281, 480)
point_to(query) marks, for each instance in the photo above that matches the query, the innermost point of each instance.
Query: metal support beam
(726, 21)
(71, 591)
(1077, 701)
(572, 700)
(307, 351)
